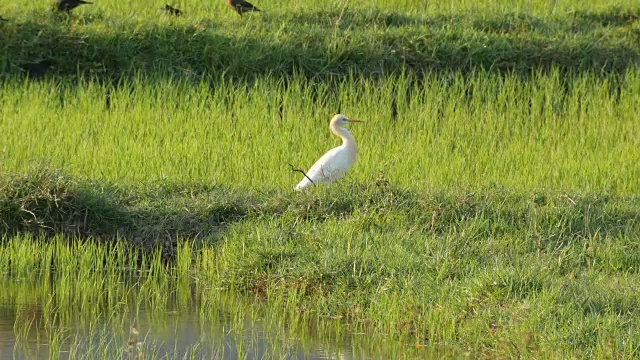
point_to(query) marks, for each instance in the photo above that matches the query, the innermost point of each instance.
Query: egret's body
(335, 163)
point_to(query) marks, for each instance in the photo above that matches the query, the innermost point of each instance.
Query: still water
(134, 318)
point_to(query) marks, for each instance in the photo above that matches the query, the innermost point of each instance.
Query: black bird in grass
(3, 19)
(173, 11)
(241, 6)
(68, 5)
(394, 108)
(37, 69)
(107, 100)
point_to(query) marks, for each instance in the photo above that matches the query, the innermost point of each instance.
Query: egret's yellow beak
(355, 120)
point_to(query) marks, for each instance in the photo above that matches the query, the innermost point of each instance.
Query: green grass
(541, 132)
(87, 300)
(115, 39)
(496, 272)
(493, 210)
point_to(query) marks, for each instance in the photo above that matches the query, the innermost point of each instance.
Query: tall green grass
(545, 131)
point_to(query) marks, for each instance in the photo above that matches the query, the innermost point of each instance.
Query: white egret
(335, 163)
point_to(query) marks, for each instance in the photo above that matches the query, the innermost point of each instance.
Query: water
(139, 318)
(180, 336)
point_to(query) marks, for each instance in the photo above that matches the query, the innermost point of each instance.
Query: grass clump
(47, 202)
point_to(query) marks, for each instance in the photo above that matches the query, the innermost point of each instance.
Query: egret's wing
(329, 167)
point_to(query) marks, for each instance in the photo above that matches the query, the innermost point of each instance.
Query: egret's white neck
(345, 135)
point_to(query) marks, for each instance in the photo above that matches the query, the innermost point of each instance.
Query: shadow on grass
(48, 203)
(615, 16)
(324, 44)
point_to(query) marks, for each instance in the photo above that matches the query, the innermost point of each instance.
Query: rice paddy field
(146, 193)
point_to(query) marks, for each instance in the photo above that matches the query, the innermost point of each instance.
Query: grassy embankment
(493, 209)
(110, 39)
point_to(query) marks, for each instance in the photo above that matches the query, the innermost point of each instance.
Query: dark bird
(107, 100)
(241, 6)
(37, 69)
(3, 19)
(394, 108)
(173, 11)
(68, 5)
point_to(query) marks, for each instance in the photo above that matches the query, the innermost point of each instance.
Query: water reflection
(135, 318)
